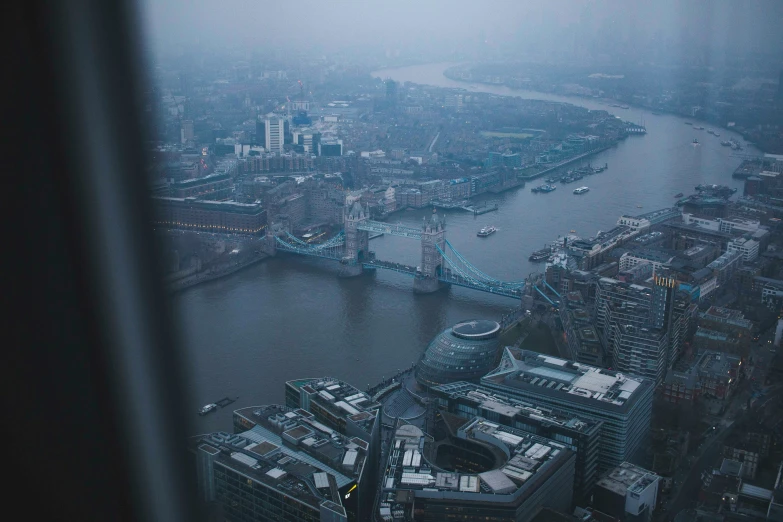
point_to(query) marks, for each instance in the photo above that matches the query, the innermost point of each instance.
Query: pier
(225, 401)
(477, 211)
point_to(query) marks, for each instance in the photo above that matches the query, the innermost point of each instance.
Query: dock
(477, 211)
(225, 401)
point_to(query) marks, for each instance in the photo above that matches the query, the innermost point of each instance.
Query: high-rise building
(479, 471)
(330, 148)
(261, 132)
(453, 102)
(622, 402)
(186, 131)
(274, 129)
(642, 328)
(391, 92)
(579, 433)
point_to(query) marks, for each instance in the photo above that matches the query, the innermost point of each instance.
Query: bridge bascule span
(440, 265)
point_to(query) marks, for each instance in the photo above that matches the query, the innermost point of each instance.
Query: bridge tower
(356, 241)
(273, 229)
(433, 234)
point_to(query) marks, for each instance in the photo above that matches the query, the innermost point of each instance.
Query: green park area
(515, 135)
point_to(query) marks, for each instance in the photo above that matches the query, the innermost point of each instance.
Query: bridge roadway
(391, 229)
(454, 274)
(449, 277)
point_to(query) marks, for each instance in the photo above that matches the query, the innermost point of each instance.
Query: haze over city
(451, 260)
(662, 31)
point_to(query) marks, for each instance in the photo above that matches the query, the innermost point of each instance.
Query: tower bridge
(441, 264)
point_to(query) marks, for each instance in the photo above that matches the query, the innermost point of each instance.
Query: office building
(215, 187)
(628, 493)
(711, 374)
(330, 148)
(227, 217)
(337, 404)
(307, 141)
(496, 159)
(581, 336)
(736, 330)
(643, 328)
(492, 472)
(464, 352)
(391, 92)
(623, 403)
(283, 465)
(453, 102)
(186, 131)
(274, 131)
(725, 266)
(657, 258)
(748, 248)
(579, 434)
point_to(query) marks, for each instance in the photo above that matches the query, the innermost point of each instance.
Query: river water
(290, 317)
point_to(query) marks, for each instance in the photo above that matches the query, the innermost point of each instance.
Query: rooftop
(491, 400)
(477, 329)
(657, 216)
(261, 456)
(725, 315)
(566, 380)
(342, 399)
(297, 430)
(218, 206)
(628, 477)
(529, 458)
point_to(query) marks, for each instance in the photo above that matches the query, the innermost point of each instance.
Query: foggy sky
(438, 25)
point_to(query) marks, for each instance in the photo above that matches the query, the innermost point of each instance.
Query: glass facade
(246, 500)
(463, 352)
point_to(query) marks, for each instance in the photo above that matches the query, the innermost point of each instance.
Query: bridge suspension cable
(479, 274)
(468, 279)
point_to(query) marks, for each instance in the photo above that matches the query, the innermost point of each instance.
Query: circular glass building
(464, 352)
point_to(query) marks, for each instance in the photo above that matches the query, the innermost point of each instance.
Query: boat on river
(544, 188)
(207, 409)
(487, 231)
(581, 190)
(540, 255)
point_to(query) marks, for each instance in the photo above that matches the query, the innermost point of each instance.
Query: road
(434, 141)
(708, 456)
(689, 491)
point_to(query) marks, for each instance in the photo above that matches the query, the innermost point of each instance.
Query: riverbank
(212, 274)
(629, 105)
(568, 162)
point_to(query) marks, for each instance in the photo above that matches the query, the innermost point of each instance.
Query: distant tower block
(433, 234)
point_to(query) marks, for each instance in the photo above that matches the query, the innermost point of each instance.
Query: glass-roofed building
(464, 352)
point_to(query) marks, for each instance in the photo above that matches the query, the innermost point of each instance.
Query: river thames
(287, 318)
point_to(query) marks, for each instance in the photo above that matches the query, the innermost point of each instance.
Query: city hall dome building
(464, 352)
